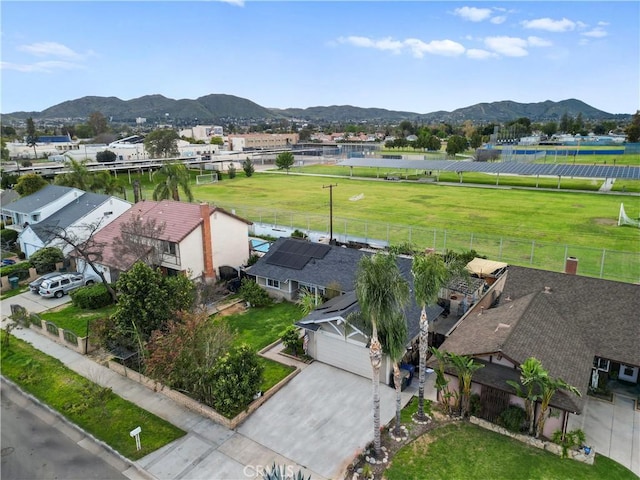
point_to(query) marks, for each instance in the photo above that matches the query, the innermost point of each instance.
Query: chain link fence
(593, 262)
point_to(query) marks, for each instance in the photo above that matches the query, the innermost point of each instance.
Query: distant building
(261, 141)
(202, 132)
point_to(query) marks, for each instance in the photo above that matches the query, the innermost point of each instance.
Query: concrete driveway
(34, 303)
(320, 419)
(613, 429)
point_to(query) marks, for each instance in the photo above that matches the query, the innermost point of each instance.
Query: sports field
(525, 227)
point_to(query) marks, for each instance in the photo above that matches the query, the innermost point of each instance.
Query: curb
(107, 449)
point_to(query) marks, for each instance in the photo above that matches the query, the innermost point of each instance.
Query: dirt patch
(609, 222)
(224, 311)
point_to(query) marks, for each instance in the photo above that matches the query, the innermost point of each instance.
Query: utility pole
(330, 187)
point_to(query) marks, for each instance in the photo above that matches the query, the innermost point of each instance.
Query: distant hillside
(219, 107)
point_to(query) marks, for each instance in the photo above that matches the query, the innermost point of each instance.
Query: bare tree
(139, 240)
(84, 245)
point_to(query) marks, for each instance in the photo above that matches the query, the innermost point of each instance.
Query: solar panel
(288, 260)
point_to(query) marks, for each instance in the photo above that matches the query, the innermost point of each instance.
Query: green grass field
(464, 451)
(536, 228)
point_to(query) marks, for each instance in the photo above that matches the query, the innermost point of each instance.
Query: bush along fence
(594, 262)
(69, 339)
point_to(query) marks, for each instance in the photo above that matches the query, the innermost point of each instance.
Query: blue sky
(414, 56)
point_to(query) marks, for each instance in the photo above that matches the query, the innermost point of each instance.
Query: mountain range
(217, 108)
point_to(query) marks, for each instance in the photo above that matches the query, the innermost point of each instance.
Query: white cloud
(538, 42)
(479, 54)
(49, 49)
(46, 67)
(603, 24)
(550, 25)
(473, 14)
(507, 46)
(498, 20)
(597, 32)
(416, 46)
(237, 3)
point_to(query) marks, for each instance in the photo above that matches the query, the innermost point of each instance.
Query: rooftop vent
(547, 289)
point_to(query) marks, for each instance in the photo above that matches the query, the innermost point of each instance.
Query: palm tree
(171, 177)
(441, 380)
(77, 175)
(465, 368)
(381, 292)
(549, 387)
(430, 274)
(393, 337)
(105, 183)
(531, 375)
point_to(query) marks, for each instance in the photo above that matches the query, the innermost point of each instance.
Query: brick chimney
(571, 266)
(207, 247)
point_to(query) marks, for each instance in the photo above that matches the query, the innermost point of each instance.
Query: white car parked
(63, 283)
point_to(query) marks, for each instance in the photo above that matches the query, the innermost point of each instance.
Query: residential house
(195, 239)
(584, 330)
(6, 197)
(39, 215)
(330, 271)
(89, 213)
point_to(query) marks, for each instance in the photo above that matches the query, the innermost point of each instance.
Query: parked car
(8, 261)
(63, 283)
(34, 286)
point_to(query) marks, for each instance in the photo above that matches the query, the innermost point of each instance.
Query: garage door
(334, 350)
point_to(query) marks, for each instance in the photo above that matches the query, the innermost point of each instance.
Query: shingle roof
(8, 196)
(562, 320)
(68, 215)
(39, 199)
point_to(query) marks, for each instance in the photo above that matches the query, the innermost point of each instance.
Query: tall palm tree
(531, 375)
(381, 292)
(465, 368)
(105, 183)
(171, 177)
(430, 274)
(549, 387)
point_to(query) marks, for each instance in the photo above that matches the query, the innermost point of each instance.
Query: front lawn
(461, 450)
(274, 372)
(259, 327)
(75, 319)
(97, 410)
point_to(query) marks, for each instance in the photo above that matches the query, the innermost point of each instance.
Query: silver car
(63, 283)
(34, 286)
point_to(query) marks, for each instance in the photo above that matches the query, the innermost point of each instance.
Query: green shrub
(91, 297)
(513, 418)
(45, 259)
(254, 294)
(574, 438)
(20, 270)
(474, 405)
(8, 236)
(291, 338)
(252, 259)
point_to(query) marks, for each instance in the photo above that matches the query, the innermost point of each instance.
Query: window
(273, 283)
(35, 217)
(601, 364)
(627, 371)
(169, 247)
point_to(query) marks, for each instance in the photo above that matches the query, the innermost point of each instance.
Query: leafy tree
(475, 141)
(217, 141)
(98, 123)
(45, 259)
(290, 338)
(550, 128)
(171, 177)
(381, 292)
(106, 156)
(29, 183)
(181, 293)
(549, 387)
(143, 306)
(84, 131)
(248, 167)
(232, 170)
(32, 137)
(235, 380)
(5, 150)
(433, 143)
(8, 130)
(633, 129)
(565, 123)
(284, 161)
(531, 374)
(430, 274)
(7, 179)
(162, 143)
(456, 144)
(182, 354)
(104, 182)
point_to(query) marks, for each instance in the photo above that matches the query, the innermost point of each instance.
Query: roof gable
(39, 199)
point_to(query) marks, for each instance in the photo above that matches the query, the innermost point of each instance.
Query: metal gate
(493, 402)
